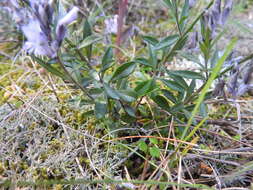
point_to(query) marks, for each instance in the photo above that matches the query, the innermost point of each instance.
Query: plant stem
(122, 9)
(79, 53)
(70, 76)
(184, 35)
(176, 17)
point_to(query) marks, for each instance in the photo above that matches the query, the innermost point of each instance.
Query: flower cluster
(212, 19)
(36, 23)
(111, 25)
(239, 83)
(218, 15)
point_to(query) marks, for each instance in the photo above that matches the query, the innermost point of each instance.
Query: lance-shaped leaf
(49, 68)
(87, 31)
(166, 42)
(107, 60)
(127, 95)
(112, 93)
(150, 40)
(123, 71)
(129, 110)
(169, 95)
(161, 102)
(173, 85)
(145, 87)
(100, 110)
(89, 41)
(187, 74)
(143, 61)
(152, 56)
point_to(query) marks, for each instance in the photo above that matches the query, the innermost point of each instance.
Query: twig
(160, 138)
(122, 9)
(53, 88)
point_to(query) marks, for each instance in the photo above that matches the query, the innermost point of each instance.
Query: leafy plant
(112, 88)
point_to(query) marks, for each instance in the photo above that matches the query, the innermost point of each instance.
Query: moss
(5, 82)
(221, 111)
(58, 187)
(2, 169)
(56, 144)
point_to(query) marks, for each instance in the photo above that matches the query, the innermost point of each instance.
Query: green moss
(56, 144)
(1, 168)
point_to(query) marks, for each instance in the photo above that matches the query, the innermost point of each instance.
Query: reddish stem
(122, 10)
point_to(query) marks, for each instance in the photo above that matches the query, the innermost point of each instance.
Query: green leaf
(178, 107)
(152, 56)
(145, 87)
(107, 60)
(143, 61)
(150, 40)
(129, 110)
(161, 102)
(191, 88)
(173, 85)
(96, 91)
(127, 95)
(124, 71)
(89, 41)
(169, 95)
(166, 42)
(171, 5)
(168, 3)
(153, 140)
(87, 31)
(108, 56)
(112, 93)
(214, 59)
(143, 146)
(50, 68)
(203, 110)
(184, 14)
(180, 80)
(154, 152)
(180, 96)
(187, 74)
(100, 110)
(191, 57)
(177, 46)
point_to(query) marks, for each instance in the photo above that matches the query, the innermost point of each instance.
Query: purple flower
(242, 89)
(37, 42)
(37, 26)
(232, 84)
(239, 83)
(36, 23)
(227, 9)
(192, 3)
(62, 24)
(111, 25)
(193, 40)
(217, 16)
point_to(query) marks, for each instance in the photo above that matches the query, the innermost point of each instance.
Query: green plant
(115, 90)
